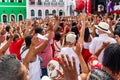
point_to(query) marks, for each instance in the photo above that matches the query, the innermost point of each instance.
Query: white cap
(70, 37)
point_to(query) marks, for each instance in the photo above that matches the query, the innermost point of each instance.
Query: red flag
(78, 5)
(88, 6)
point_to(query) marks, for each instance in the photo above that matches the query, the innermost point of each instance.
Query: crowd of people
(83, 47)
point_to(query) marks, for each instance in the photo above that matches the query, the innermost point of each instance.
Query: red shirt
(94, 63)
(86, 54)
(15, 47)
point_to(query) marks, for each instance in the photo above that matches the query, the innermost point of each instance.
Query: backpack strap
(23, 49)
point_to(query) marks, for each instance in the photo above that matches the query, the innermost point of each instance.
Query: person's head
(111, 58)
(87, 35)
(97, 74)
(12, 69)
(7, 28)
(117, 35)
(16, 37)
(61, 24)
(70, 38)
(75, 30)
(102, 27)
(117, 26)
(57, 36)
(39, 30)
(28, 40)
(74, 24)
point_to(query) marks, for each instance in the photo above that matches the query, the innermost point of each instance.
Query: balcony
(32, 3)
(39, 3)
(61, 3)
(47, 3)
(54, 3)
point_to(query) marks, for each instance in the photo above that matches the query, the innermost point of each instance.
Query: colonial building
(42, 8)
(12, 10)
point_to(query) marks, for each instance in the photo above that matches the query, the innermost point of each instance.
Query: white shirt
(71, 53)
(57, 45)
(2, 44)
(117, 7)
(97, 43)
(34, 67)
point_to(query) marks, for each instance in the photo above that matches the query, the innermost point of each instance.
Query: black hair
(38, 30)
(28, 40)
(87, 34)
(74, 24)
(15, 36)
(7, 28)
(111, 58)
(97, 74)
(76, 31)
(117, 32)
(57, 36)
(10, 68)
(61, 24)
(117, 26)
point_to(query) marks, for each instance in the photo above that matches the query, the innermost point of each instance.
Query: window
(46, 0)
(20, 17)
(61, 3)
(39, 13)
(3, 0)
(54, 2)
(32, 13)
(12, 18)
(46, 13)
(53, 11)
(71, 10)
(4, 18)
(39, 2)
(32, 2)
(11, 0)
(46, 3)
(19, 0)
(60, 12)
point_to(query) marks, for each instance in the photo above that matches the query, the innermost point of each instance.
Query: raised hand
(36, 23)
(69, 68)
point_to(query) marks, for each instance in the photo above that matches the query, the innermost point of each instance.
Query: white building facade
(42, 8)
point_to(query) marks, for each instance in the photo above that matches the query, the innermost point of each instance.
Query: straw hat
(103, 26)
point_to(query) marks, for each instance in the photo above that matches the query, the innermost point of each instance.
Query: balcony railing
(47, 3)
(54, 3)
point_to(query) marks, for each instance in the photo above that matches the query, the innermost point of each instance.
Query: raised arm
(97, 53)
(81, 39)
(5, 47)
(43, 45)
(33, 50)
(83, 64)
